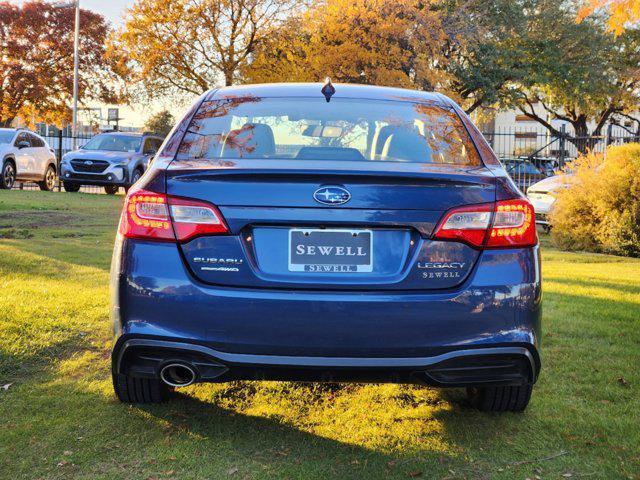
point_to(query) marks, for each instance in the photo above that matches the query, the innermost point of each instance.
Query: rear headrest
(252, 140)
(380, 138)
(407, 145)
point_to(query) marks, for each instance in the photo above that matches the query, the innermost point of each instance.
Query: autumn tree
(186, 47)
(160, 122)
(458, 47)
(384, 42)
(483, 53)
(622, 13)
(36, 61)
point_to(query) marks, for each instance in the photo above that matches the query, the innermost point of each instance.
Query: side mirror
(23, 144)
(150, 152)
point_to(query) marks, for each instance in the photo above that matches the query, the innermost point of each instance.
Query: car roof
(516, 160)
(133, 134)
(343, 90)
(19, 129)
(127, 134)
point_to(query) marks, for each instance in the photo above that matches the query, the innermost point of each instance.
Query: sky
(132, 115)
(111, 9)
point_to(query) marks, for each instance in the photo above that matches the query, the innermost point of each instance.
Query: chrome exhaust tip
(177, 374)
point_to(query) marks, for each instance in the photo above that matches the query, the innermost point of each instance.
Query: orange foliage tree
(464, 48)
(36, 61)
(621, 12)
(383, 42)
(186, 47)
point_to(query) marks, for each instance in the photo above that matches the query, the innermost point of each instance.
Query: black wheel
(111, 189)
(8, 175)
(500, 399)
(137, 173)
(139, 390)
(71, 186)
(49, 182)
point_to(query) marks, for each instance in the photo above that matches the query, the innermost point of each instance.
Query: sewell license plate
(330, 251)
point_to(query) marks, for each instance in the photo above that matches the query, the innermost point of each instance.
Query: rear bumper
(542, 205)
(485, 331)
(508, 365)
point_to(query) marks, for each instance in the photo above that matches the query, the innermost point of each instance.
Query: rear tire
(7, 175)
(71, 187)
(500, 399)
(49, 182)
(111, 189)
(139, 390)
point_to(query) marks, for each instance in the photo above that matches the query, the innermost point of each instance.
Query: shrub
(600, 210)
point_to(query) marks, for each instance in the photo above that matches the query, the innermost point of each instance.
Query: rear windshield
(340, 130)
(114, 143)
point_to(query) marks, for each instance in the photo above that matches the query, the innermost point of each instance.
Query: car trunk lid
(283, 237)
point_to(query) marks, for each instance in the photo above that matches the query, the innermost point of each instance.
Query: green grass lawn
(60, 419)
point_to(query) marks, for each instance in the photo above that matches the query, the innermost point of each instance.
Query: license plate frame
(361, 266)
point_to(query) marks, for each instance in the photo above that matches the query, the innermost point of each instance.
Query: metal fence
(528, 155)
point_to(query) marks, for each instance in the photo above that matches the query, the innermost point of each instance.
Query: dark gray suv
(113, 160)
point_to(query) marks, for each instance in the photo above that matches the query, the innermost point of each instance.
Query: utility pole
(76, 45)
(76, 41)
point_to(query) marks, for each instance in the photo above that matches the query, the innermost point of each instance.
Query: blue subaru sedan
(335, 233)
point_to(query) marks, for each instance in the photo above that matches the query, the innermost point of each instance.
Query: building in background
(514, 135)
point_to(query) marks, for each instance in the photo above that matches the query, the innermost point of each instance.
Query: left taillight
(156, 216)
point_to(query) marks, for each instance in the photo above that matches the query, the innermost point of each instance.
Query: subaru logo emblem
(88, 162)
(331, 195)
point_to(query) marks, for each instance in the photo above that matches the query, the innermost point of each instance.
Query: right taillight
(156, 216)
(513, 225)
(507, 223)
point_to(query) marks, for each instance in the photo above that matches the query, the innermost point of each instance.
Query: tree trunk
(581, 138)
(6, 122)
(228, 78)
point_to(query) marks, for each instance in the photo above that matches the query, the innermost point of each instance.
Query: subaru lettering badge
(331, 195)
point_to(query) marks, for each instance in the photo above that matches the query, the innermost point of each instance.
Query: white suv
(25, 156)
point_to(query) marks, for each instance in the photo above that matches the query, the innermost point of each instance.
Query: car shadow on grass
(79, 430)
(434, 439)
(24, 364)
(295, 447)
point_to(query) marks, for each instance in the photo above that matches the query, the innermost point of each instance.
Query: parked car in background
(336, 233)
(112, 160)
(543, 195)
(523, 172)
(547, 165)
(26, 157)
